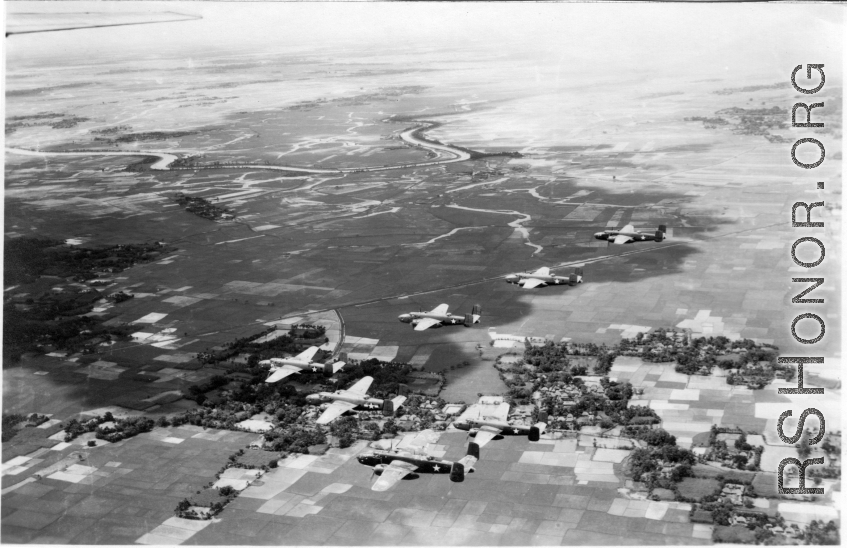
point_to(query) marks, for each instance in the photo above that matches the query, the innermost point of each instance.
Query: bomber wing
(627, 228)
(361, 386)
(530, 283)
(335, 410)
(543, 271)
(393, 473)
(486, 434)
(622, 239)
(426, 323)
(282, 372)
(440, 309)
(307, 354)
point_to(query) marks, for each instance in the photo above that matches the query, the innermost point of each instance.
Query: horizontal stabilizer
(536, 430)
(333, 368)
(468, 462)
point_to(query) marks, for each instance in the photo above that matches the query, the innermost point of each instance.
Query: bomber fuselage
(425, 463)
(551, 279)
(443, 318)
(275, 363)
(636, 236)
(362, 401)
(506, 428)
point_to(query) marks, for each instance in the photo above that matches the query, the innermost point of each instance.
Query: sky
(655, 38)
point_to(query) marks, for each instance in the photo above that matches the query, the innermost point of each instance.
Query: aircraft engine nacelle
(473, 432)
(405, 318)
(601, 236)
(379, 469)
(457, 472)
(660, 235)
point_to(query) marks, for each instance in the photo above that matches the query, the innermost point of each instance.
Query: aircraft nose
(598, 235)
(511, 278)
(405, 318)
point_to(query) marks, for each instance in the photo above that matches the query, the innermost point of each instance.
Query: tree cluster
(202, 207)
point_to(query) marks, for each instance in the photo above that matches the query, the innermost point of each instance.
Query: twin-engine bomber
(485, 429)
(542, 277)
(394, 465)
(353, 397)
(628, 234)
(283, 367)
(439, 316)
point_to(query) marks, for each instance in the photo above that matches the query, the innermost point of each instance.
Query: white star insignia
(436, 468)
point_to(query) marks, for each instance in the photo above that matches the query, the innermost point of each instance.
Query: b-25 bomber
(542, 277)
(439, 316)
(283, 367)
(394, 465)
(485, 429)
(351, 398)
(628, 234)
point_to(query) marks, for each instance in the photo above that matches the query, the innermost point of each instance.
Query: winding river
(445, 154)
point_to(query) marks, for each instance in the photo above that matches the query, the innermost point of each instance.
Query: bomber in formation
(439, 316)
(543, 276)
(351, 398)
(485, 429)
(629, 234)
(281, 368)
(394, 465)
